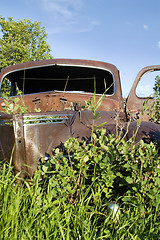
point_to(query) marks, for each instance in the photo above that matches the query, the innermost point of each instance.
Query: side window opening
(145, 87)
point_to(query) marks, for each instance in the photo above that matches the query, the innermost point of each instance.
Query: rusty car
(60, 88)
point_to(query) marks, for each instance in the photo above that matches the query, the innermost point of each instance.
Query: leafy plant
(112, 168)
(14, 105)
(109, 170)
(21, 41)
(155, 109)
(92, 104)
(69, 195)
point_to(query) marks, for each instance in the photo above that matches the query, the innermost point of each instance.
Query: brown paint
(32, 140)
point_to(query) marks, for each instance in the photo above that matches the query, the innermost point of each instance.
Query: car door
(139, 104)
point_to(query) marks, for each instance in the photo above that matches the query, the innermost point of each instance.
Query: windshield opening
(61, 78)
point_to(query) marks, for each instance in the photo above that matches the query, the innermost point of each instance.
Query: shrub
(108, 169)
(110, 166)
(70, 194)
(155, 109)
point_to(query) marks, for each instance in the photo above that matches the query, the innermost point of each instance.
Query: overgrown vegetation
(14, 105)
(155, 109)
(70, 194)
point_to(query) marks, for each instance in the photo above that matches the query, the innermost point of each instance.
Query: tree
(22, 41)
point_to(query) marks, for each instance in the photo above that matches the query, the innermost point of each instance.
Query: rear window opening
(61, 78)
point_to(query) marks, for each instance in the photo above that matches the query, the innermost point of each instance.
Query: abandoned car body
(59, 88)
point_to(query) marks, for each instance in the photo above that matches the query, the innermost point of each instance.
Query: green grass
(49, 208)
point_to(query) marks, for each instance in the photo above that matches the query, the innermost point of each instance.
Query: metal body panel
(134, 103)
(7, 138)
(32, 135)
(44, 97)
(6, 142)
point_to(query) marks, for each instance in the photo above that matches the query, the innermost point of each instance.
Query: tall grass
(39, 209)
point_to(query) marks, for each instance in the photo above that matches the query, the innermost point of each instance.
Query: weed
(70, 193)
(155, 109)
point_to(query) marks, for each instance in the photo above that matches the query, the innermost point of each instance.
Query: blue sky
(125, 33)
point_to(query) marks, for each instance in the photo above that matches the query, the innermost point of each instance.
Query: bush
(155, 109)
(70, 194)
(106, 170)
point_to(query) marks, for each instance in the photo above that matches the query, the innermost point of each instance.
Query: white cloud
(62, 9)
(71, 27)
(67, 16)
(58, 10)
(144, 90)
(89, 27)
(77, 4)
(158, 43)
(145, 27)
